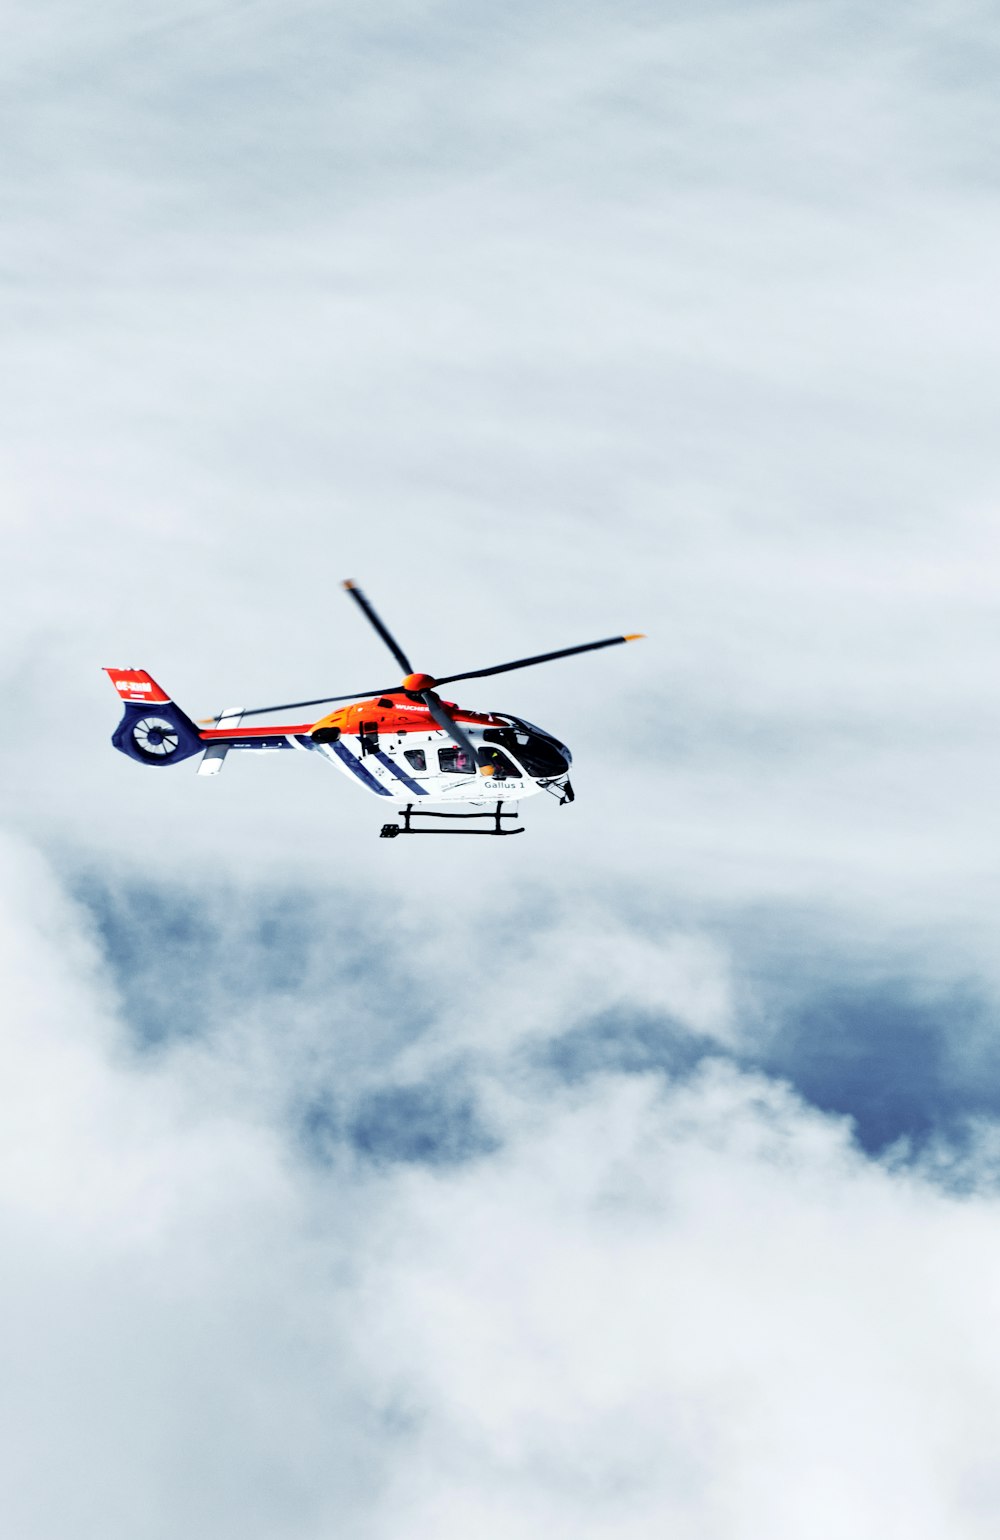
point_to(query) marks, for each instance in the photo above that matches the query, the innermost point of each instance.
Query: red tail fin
(135, 684)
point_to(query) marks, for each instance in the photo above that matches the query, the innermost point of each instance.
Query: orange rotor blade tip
(350, 583)
(205, 721)
(636, 636)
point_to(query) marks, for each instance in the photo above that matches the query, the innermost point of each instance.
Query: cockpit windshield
(539, 754)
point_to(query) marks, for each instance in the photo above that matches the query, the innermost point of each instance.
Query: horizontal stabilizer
(213, 757)
(211, 760)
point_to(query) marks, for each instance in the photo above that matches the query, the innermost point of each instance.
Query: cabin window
(416, 759)
(456, 762)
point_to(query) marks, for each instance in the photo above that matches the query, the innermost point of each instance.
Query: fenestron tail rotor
(156, 737)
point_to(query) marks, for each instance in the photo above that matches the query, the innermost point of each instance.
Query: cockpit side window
(503, 766)
(455, 761)
(416, 759)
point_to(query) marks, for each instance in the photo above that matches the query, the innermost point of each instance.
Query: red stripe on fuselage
(255, 732)
(403, 714)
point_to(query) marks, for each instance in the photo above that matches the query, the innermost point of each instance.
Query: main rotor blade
(324, 700)
(333, 700)
(541, 657)
(478, 673)
(387, 637)
(445, 720)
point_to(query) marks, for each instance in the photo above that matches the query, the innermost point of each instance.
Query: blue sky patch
(432, 1124)
(901, 1064)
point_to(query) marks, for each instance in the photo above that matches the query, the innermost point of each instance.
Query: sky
(637, 1175)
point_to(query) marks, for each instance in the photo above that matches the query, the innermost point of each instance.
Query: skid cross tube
(391, 830)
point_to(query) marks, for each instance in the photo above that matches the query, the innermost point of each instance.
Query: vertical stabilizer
(134, 684)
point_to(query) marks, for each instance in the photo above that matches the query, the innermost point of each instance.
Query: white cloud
(655, 1303)
(698, 1309)
(163, 1317)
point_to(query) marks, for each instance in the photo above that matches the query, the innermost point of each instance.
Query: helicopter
(403, 743)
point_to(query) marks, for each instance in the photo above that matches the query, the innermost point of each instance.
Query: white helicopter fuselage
(427, 765)
(394, 750)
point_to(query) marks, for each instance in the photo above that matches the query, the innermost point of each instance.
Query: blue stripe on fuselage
(400, 774)
(364, 776)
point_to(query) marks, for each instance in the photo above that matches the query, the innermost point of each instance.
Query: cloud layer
(636, 1174)
(638, 1297)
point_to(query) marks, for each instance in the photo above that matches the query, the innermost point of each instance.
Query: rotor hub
(414, 683)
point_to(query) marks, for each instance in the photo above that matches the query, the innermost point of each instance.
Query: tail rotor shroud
(161, 736)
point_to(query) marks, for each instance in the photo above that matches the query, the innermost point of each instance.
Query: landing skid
(390, 830)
